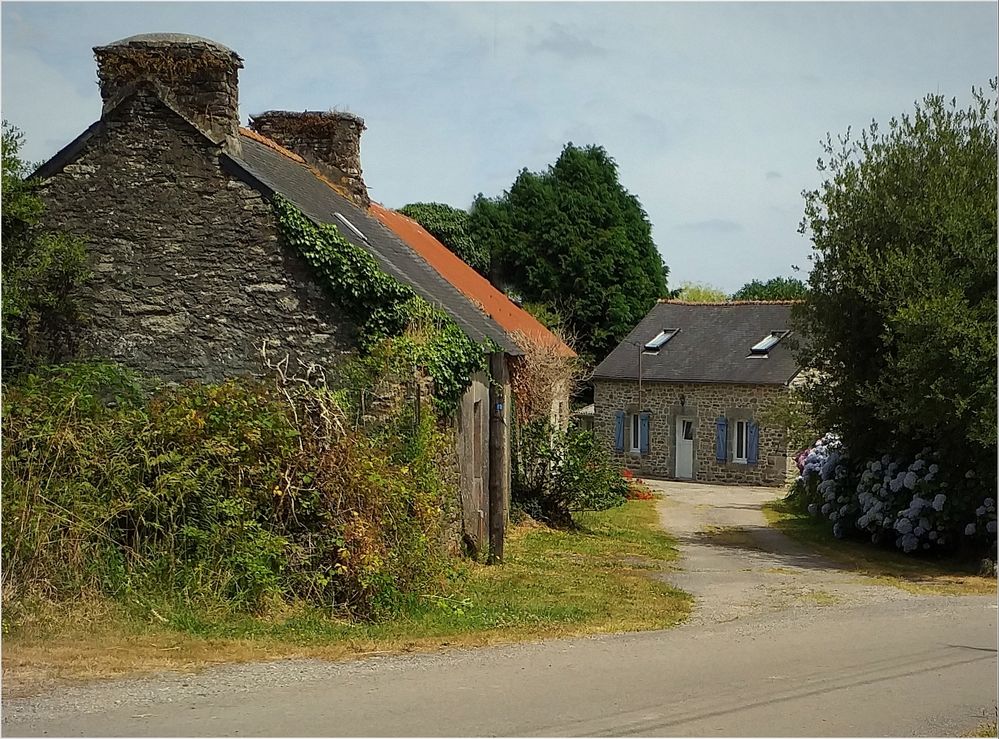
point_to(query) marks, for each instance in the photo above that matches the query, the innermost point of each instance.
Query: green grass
(914, 574)
(987, 728)
(553, 583)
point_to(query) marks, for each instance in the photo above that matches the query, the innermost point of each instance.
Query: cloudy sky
(713, 111)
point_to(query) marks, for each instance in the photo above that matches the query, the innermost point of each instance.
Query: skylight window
(350, 225)
(659, 342)
(768, 342)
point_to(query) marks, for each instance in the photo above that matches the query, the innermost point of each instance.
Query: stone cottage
(682, 397)
(191, 274)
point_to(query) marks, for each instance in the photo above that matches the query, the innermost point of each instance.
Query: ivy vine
(385, 309)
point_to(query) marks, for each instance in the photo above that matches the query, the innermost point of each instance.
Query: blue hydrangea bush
(893, 499)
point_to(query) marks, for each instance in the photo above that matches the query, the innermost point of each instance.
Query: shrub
(242, 492)
(560, 472)
(899, 327)
(909, 503)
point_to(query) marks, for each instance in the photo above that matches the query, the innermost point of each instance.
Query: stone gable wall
(702, 403)
(190, 276)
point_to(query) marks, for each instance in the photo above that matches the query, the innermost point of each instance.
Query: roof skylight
(660, 340)
(768, 342)
(350, 225)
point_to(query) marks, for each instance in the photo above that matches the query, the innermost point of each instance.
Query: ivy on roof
(384, 308)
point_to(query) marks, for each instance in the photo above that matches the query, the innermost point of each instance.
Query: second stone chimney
(330, 141)
(195, 75)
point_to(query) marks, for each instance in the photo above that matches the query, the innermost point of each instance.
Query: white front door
(685, 448)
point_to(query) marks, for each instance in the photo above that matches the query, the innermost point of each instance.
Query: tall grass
(245, 493)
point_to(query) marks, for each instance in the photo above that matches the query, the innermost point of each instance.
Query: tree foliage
(572, 237)
(901, 315)
(701, 292)
(450, 226)
(777, 288)
(42, 270)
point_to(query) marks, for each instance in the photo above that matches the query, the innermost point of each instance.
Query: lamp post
(641, 352)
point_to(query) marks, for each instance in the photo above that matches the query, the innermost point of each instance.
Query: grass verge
(987, 728)
(553, 584)
(914, 574)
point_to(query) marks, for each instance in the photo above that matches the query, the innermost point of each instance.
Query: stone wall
(190, 277)
(702, 403)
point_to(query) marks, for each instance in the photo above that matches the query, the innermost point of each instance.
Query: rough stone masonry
(190, 276)
(702, 403)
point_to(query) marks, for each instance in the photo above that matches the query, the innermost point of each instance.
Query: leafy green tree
(778, 288)
(901, 316)
(42, 270)
(449, 226)
(573, 238)
(546, 315)
(701, 292)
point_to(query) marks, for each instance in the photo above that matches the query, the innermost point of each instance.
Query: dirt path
(737, 566)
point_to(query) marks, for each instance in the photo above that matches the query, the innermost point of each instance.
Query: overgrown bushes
(242, 493)
(899, 328)
(560, 472)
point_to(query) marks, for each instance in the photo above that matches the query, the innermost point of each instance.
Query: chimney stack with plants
(195, 76)
(328, 140)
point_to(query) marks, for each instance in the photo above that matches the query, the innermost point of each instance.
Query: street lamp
(653, 348)
(642, 350)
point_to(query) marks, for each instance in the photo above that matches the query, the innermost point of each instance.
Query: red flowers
(637, 489)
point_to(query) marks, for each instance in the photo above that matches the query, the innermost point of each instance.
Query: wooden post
(498, 456)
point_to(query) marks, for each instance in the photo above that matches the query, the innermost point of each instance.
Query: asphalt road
(861, 666)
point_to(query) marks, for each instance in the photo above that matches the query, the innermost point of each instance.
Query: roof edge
(674, 301)
(692, 381)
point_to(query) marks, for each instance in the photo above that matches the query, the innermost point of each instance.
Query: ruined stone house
(191, 275)
(685, 395)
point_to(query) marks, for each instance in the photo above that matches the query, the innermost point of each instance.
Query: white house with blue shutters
(684, 395)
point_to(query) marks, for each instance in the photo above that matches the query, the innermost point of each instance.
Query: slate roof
(414, 258)
(272, 171)
(712, 346)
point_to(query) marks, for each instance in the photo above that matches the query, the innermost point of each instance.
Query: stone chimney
(330, 141)
(196, 76)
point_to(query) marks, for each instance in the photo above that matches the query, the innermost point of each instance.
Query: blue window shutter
(619, 432)
(643, 433)
(721, 439)
(752, 442)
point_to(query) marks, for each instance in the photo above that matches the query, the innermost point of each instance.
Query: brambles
(242, 493)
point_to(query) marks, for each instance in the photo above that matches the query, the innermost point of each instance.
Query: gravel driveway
(737, 566)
